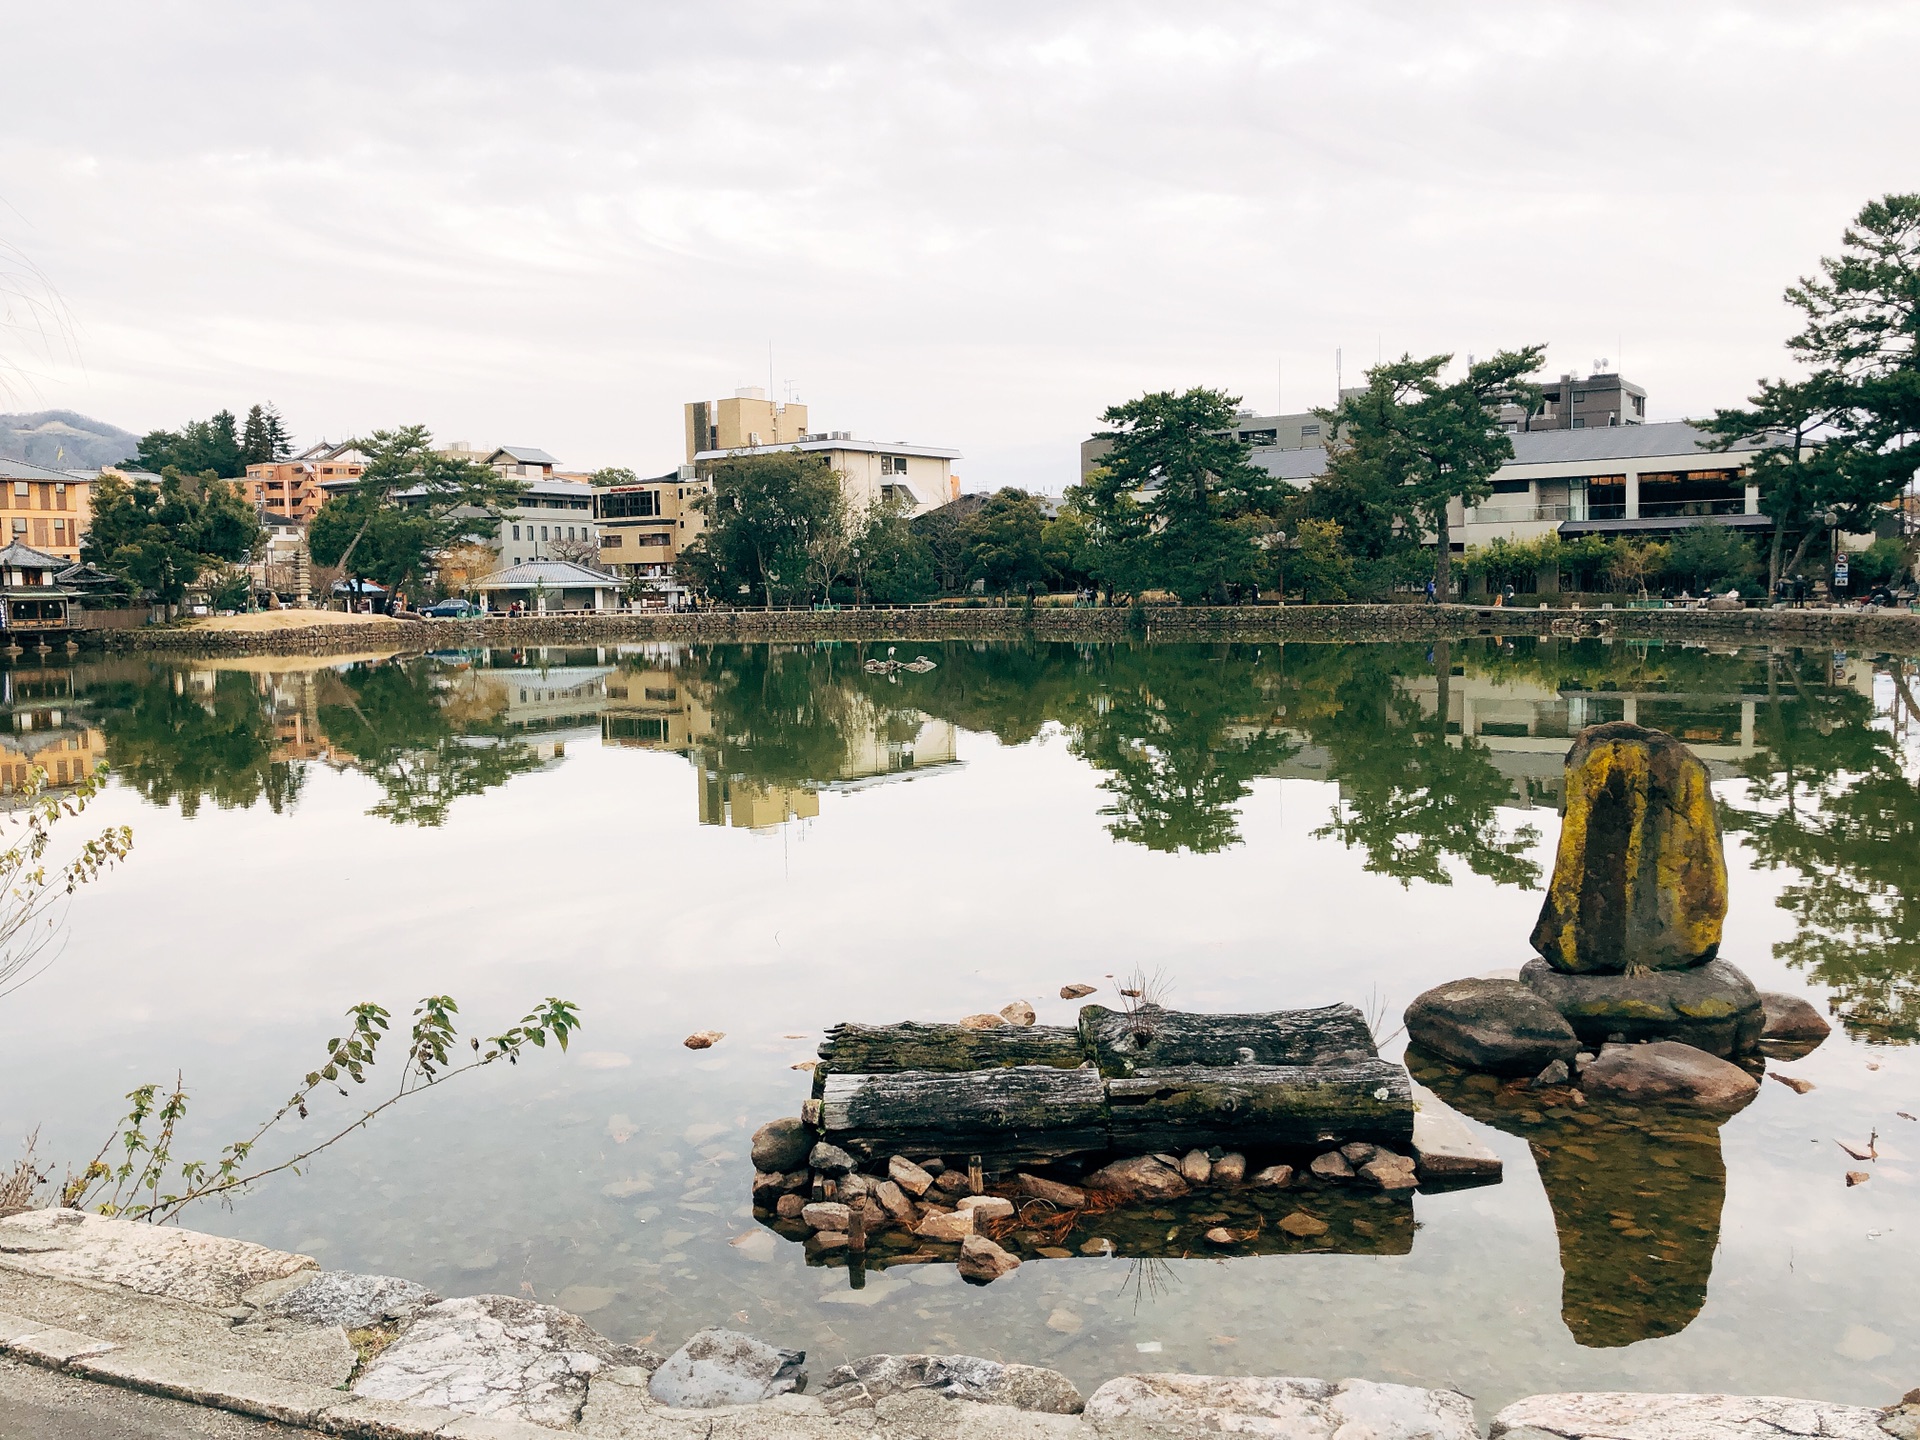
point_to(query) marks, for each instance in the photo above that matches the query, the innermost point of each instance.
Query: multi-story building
(1655, 479)
(1601, 400)
(552, 519)
(644, 527)
(917, 478)
(296, 488)
(742, 421)
(47, 509)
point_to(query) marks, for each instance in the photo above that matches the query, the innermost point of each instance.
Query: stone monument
(1639, 881)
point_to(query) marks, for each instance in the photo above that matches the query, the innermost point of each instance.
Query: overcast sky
(965, 224)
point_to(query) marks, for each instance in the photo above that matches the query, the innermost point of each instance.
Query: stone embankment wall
(1889, 630)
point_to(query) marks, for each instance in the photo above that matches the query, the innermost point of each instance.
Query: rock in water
(781, 1145)
(1141, 1178)
(1018, 1013)
(982, 1261)
(1666, 1072)
(1639, 881)
(1712, 1007)
(830, 1159)
(909, 1176)
(1075, 992)
(724, 1367)
(1792, 1024)
(1495, 1025)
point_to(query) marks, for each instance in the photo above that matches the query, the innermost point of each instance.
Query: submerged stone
(1271, 1405)
(1639, 880)
(1666, 1072)
(1712, 1007)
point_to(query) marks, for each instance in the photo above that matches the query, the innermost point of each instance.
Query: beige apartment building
(915, 478)
(742, 421)
(644, 527)
(46, 509)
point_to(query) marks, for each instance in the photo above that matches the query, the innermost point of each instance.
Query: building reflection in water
(653, 702)
(46, 727)
(1636, 1197)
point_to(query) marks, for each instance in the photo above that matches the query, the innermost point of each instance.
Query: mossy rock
(1712, 1007)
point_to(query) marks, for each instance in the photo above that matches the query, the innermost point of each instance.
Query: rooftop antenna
(771, 392)
(1339, 383)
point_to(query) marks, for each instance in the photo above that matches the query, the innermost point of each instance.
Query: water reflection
(1432, 748)
(1636, 1199)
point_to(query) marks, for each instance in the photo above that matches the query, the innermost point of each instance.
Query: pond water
(765, 841)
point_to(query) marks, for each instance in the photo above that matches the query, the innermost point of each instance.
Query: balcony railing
(1517, 514)
(1672, 509)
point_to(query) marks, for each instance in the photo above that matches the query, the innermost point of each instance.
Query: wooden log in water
(885, 1049)
(1019, 1114)
(1261, 1106)
(1124, 1043)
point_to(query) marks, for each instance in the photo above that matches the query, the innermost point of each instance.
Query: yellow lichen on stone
(1639, 880)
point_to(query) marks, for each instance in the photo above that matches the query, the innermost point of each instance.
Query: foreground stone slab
(1605, 1416)
(1499, 1026)
(494, 1355)
(1713, 1007)
(339, 1297)
(1182, 1405)
(1639, 880)
(859, 1385)
(151, 1259)
(1444, 1148)
(723, 1367)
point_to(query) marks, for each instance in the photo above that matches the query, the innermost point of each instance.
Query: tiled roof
(24, 557)
(21, 470)
(554, 574)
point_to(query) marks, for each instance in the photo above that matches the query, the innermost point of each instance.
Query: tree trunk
(1800, 550)
(1443, 559)
(1773, 555)
(883, 1049)
(1024, 1114)
(1262, 1107)
(1123, 1043)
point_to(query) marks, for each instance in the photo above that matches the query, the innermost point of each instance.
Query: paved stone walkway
(38, 1404)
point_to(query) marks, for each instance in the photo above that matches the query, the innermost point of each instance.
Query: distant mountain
(64, 440)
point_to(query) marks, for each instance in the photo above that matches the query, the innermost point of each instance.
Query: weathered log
(888, 1049)
(1123, 1043)
(1261, 1106)
(1024, 1113)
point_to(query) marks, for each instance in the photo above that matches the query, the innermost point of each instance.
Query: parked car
(453, 610)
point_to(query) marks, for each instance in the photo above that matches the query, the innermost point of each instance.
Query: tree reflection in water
(1834, 796)
(1178, 734)
(394, 721)
(188, 737)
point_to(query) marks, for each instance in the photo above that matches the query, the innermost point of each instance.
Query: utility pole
(1339, 384)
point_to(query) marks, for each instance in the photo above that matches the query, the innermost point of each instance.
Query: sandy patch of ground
(265, 621)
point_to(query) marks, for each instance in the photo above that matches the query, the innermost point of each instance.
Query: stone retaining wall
(1888, 630)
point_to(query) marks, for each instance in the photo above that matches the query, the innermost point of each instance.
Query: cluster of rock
(919, 1211)
(1627, 998)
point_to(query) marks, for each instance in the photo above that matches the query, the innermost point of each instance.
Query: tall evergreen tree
(1845, 440)
(1172, 504)
(1435, 440)
(410, 504)
(264, 438)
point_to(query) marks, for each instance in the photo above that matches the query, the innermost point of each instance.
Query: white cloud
(967, 224)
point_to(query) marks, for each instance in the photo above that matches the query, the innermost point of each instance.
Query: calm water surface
(767, 841)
